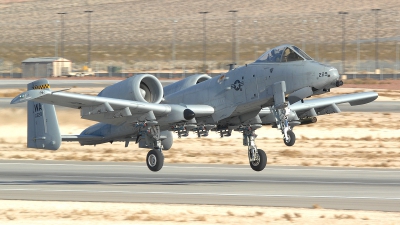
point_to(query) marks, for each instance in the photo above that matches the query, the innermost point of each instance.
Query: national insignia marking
(237, 85)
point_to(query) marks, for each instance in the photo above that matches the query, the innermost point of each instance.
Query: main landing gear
(155, 157)
(155, 160)
(257, 157)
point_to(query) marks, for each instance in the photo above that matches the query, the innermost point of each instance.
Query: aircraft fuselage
(249, 88)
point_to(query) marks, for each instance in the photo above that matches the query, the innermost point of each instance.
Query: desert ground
(346, 139)
(79, 213)
(337, 140)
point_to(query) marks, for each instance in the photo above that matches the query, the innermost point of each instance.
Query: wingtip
(28, 95)
(367, 97)
(19, 98)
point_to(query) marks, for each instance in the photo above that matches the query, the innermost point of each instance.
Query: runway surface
(336, 188)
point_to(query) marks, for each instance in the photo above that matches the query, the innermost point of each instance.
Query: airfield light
(233, 35)
(316, 39)
(376, 40)
(173, 49)
(89, 12)
(255, 40)
(303, 47)
(62, 32)
(62, 14)
(358, 45)
(344, 41)
(204, 41)
(56, 38)
(397, 50)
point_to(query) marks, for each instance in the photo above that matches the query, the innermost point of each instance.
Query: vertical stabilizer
(43, 130)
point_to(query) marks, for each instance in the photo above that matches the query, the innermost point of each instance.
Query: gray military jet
(270, 91)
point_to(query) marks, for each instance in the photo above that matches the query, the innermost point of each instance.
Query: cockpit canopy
(283, 53)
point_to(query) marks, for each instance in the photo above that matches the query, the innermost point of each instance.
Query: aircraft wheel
(292, 138)
(155, 160)
(261, 162)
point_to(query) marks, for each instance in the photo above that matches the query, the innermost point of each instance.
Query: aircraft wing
(111, 110)
(321, 106)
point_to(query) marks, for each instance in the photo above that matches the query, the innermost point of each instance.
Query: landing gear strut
(281, 112)
(281, 118)
(257, 157)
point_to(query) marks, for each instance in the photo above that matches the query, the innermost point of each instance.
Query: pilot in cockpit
(292, 56)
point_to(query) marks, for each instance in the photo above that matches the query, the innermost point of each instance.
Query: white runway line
(212, 168)
(207, 194)
(132, 179)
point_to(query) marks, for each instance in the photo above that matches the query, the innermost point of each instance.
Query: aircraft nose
(333, 72)
(334, 75)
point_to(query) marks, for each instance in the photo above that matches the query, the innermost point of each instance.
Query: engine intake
(142, 88)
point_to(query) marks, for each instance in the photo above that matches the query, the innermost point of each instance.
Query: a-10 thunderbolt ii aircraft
(270, 91)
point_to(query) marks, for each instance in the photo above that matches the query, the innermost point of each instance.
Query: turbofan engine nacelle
(142, 88)
(185, 83)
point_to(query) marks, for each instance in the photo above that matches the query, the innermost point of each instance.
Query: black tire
(155, 160)
(259, 164)
(292, 138)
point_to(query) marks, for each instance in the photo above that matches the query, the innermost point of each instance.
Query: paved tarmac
(336, 188)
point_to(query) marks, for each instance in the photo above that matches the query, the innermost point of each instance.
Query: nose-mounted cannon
(339, 83)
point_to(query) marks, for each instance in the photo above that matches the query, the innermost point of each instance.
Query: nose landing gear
(281, 112)
(290, 138)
